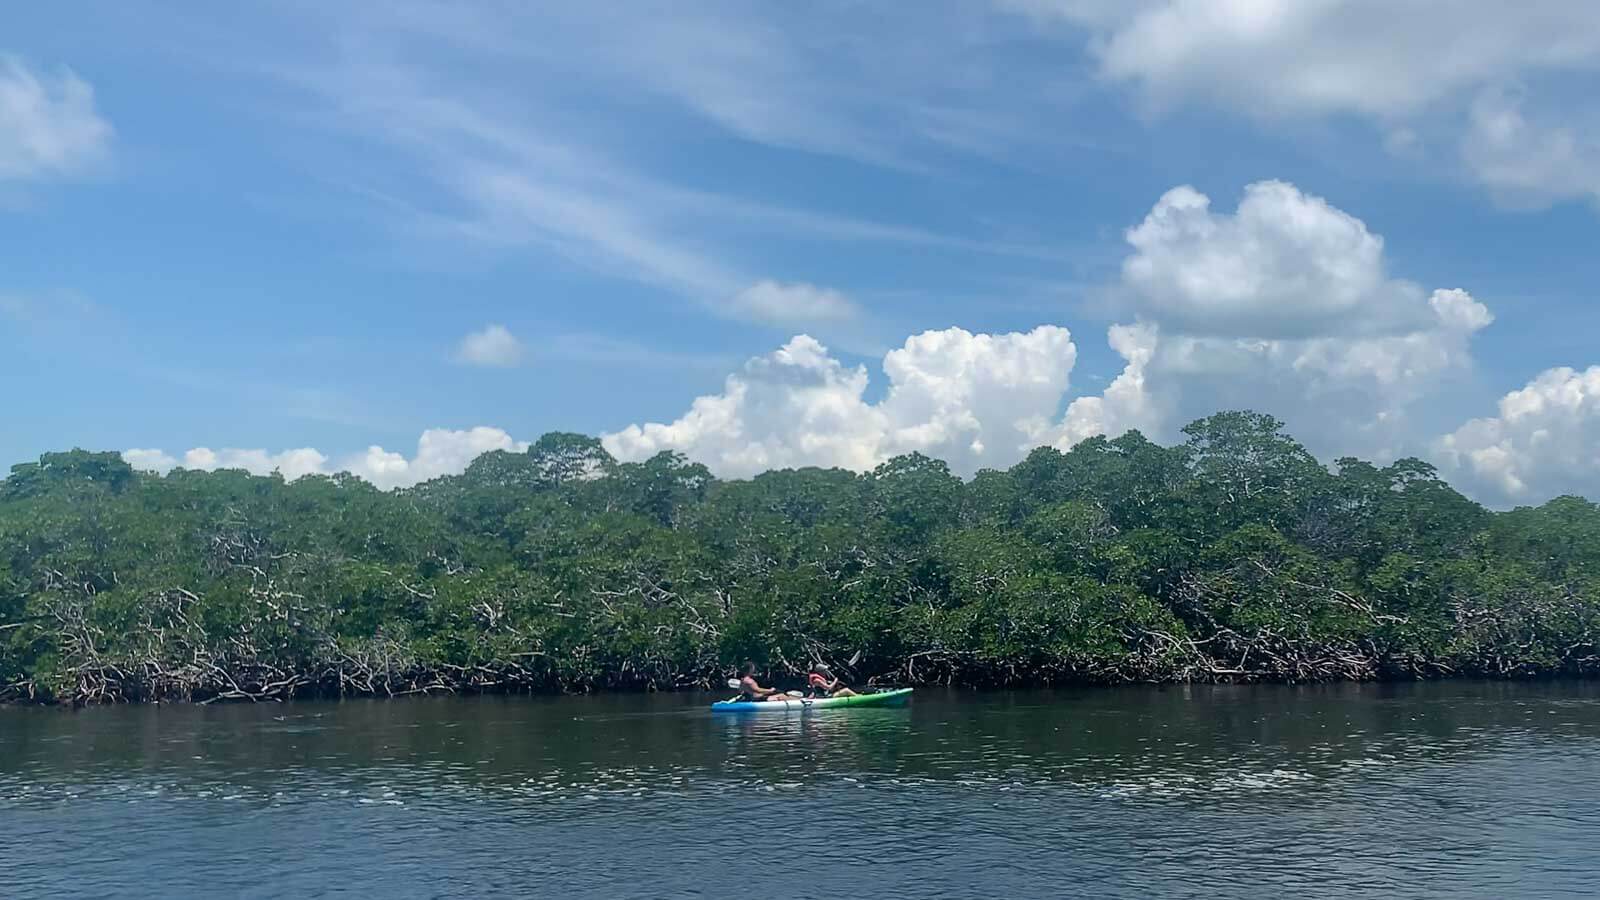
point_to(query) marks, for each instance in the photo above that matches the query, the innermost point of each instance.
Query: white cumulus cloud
(1127, 402)
(148, 459)
(1285, 264)
(290, 463)
(1417, 71)
(1544, 442)
(1337, 394)
(973, 400)
(1284, 307)
(48, 123)
(1319, 56)
(439, 452)
(493, 346)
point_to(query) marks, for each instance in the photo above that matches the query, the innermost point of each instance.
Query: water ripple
(1461, 790)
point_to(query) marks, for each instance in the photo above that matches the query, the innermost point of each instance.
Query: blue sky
(302, 235)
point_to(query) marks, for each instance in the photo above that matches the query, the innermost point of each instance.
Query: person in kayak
(751, 691)
(821, 683)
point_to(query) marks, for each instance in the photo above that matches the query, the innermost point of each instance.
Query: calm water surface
(1460, 789)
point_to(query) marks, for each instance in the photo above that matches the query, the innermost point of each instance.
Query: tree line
(1233, 556)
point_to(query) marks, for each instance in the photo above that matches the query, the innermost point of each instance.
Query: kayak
(802, 704)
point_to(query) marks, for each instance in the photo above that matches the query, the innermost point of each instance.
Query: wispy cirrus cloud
(797, 303)
(837, 79)
(49, 125)
(1533, 158)
(615, 352)
(510, 168)
(507, 186)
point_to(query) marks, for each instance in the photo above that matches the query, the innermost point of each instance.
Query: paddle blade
(733, 683)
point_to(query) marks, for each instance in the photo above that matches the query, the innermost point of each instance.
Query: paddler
(821, 683)
(751, 691)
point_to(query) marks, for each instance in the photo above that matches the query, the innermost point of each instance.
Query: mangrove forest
(1235, 555)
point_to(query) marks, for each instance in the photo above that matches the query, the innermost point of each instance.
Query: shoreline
(436, 690)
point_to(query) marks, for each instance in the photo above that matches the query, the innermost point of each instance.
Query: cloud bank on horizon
(1284, 305)
(880, 214)
(439, 452)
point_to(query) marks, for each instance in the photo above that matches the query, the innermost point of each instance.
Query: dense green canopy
(1233, 556)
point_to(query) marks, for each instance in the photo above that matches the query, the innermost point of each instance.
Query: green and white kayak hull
(805, 704)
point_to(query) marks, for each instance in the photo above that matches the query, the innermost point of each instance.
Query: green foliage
(1233, 556)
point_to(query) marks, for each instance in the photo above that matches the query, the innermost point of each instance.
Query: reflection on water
(1467, 789)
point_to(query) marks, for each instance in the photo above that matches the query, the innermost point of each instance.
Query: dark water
(1462, 790)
